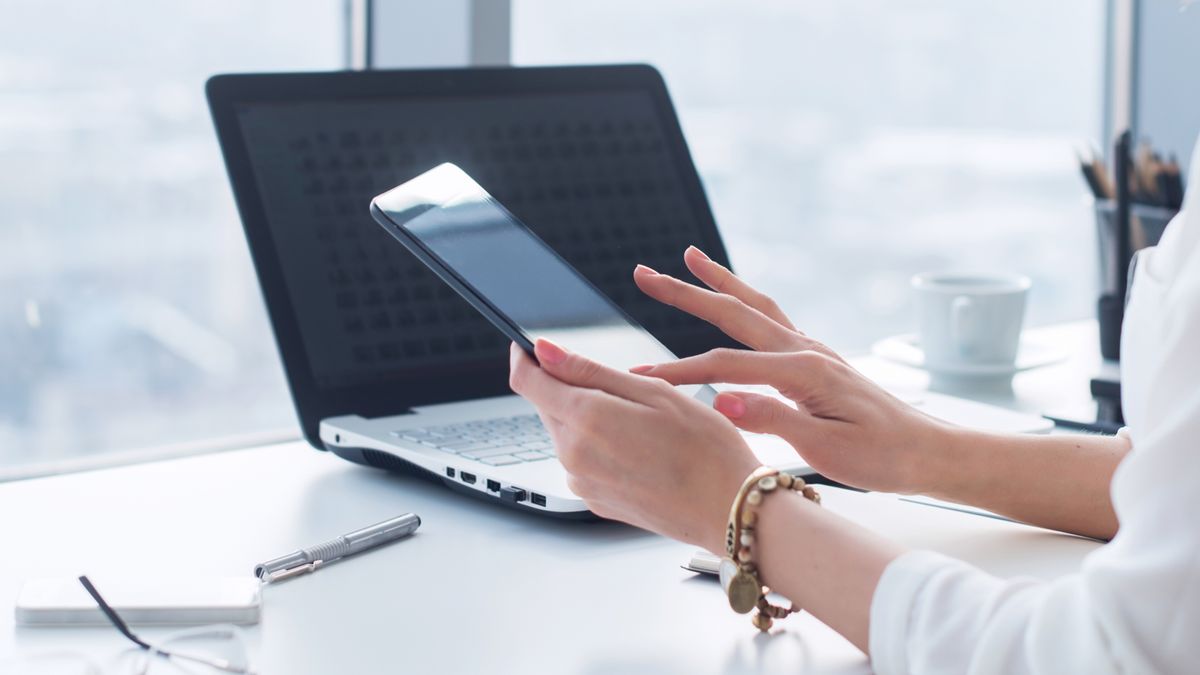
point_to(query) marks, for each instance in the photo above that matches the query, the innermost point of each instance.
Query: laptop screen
(591, 173)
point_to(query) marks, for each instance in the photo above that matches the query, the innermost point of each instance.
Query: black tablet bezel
(448, 274)
(432, 385)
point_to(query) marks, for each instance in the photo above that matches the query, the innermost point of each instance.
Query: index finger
(794, 375)
(719, 278)
(734, 317)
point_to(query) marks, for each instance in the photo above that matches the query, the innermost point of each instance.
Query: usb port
(467, 477)
(450, 472)
(493, 485)
(539, 500)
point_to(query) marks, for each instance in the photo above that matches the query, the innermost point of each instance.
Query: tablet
(509, 274)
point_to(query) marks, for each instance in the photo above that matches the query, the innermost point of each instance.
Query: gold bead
(743, 555)
(748, 518)
(798, 483)
(785, 480)
(754, 498)
(762, 621)
(809, 493)
(767, 483)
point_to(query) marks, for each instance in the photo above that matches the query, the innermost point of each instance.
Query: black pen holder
(1146, 226)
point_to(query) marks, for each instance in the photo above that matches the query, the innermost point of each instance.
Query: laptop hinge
(397, 413)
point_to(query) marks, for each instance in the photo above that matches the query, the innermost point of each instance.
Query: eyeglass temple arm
(112, 614)
(221, 664)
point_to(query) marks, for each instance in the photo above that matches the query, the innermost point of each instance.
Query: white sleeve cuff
(892, 605)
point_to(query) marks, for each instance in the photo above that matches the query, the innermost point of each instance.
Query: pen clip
(303, 568)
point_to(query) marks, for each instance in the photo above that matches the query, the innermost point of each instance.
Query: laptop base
(378, 459)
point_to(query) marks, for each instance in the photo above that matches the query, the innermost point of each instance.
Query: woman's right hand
(844, 425)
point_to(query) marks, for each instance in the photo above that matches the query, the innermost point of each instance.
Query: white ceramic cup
(968, 320)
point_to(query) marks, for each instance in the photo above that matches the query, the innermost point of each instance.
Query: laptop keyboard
(495, 442)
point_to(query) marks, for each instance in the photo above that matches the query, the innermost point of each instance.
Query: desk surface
(479, 588)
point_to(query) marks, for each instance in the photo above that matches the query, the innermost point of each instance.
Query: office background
(842, 152)
(1166, 100)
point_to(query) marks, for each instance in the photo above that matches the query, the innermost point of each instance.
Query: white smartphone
(181, 601)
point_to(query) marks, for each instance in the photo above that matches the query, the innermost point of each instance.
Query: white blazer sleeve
(1135, 605)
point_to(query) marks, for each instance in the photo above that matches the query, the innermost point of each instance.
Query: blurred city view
(129, 312)
(848, 144)
(845, 145)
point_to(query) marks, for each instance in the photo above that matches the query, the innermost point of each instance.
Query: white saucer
(906, 350)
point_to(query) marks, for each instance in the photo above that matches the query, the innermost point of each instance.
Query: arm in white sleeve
(1135, 605)
(1134, 608)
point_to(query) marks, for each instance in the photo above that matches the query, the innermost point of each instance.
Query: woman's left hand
(636, 449)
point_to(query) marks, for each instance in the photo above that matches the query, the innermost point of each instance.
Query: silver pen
(309, 559)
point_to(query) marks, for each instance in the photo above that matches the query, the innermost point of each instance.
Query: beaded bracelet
(738, 571)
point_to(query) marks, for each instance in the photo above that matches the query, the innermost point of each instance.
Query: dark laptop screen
(592, 173)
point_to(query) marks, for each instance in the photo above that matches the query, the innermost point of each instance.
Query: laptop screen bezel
(428, 385)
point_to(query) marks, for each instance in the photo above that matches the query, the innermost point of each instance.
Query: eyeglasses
(161, 649)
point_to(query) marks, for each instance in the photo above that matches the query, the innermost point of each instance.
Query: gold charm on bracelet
(740, 586)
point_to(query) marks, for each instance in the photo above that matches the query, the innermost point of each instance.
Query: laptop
(386, 364)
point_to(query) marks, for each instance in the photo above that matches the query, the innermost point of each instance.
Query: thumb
(580, 371)
(763, 414)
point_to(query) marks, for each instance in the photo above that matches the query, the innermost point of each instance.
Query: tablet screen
(472, 237)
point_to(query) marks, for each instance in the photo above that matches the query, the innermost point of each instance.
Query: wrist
(943, 453)
(740, 570)
(959, 461)
(722, 500)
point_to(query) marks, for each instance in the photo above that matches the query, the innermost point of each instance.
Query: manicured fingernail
(698, 252)
(548, 352)
(643, 268)
(730, 405)
(638, 370)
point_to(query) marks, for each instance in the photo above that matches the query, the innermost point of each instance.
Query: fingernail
(548, 352)
(700, 253)
(647, 270)
(730, 405)
(638, 370)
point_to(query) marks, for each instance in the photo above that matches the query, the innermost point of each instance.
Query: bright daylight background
(845, 145)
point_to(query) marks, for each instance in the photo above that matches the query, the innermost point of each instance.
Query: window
(846, 145)
(129, 313)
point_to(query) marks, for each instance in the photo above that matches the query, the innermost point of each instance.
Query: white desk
(479, 588)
